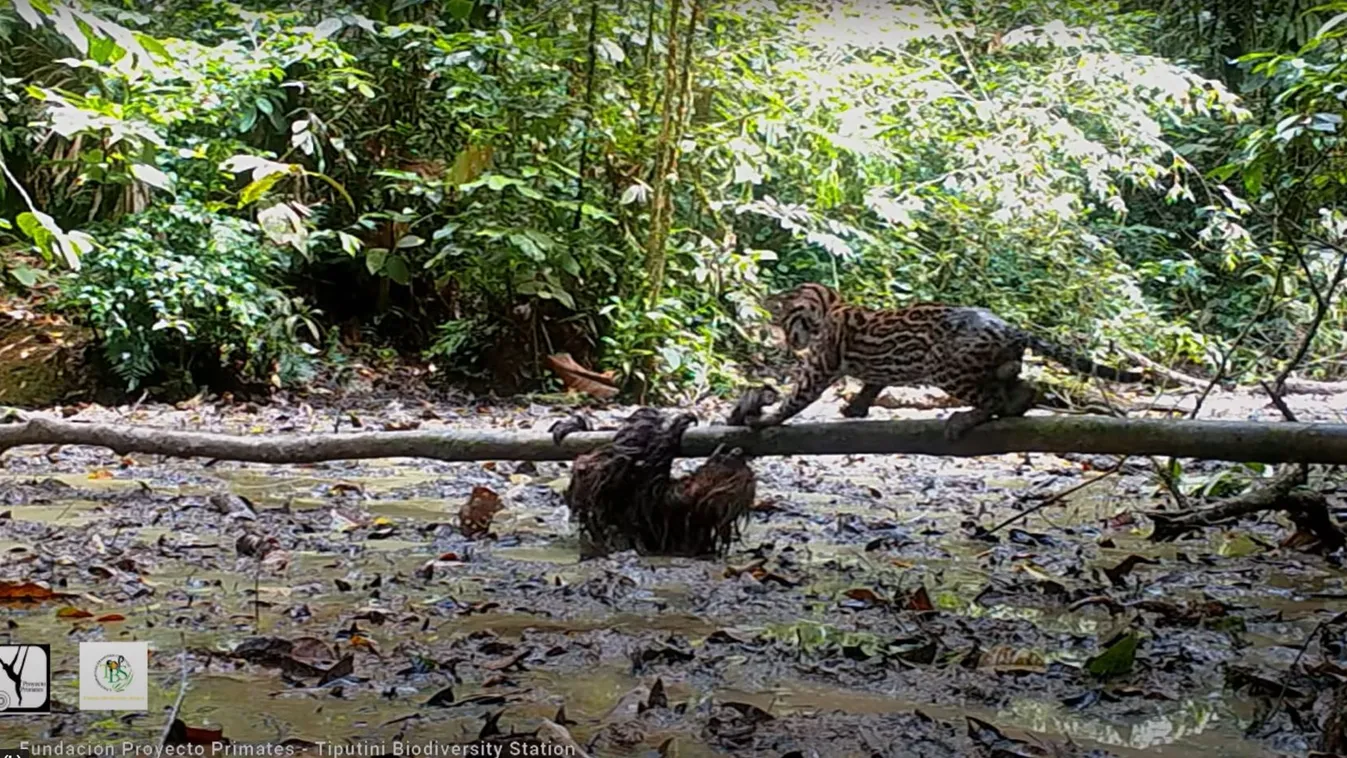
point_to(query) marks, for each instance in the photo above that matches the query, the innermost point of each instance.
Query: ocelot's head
(800, 313)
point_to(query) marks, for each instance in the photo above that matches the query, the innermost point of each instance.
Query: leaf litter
(423, 600)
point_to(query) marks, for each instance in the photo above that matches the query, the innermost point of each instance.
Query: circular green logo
(113, 673)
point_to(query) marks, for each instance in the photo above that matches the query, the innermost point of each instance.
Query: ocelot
(970, 353)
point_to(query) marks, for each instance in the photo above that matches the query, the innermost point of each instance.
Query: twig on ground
(1058, 497)
(182, 692)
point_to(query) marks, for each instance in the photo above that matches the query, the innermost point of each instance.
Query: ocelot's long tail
(1079, 363)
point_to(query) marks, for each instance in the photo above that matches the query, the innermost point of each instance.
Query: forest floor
(879, 621)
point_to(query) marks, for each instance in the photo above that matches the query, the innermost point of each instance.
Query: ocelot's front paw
(762, 422)
(958, 424)
(856, 410)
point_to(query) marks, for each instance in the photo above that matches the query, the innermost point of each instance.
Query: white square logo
(114, 676)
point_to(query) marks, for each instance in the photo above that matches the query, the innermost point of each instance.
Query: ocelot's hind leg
(1020, 397)
(859, 407)
(990, 397)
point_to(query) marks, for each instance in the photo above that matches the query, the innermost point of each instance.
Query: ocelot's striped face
(800, 313)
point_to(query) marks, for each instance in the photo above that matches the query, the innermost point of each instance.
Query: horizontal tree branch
(1211, 440)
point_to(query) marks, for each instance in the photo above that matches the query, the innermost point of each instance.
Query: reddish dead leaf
(111, 617)
(508, 662)
(277, 560)
(767, 506)
(578, 378)
(341, 488)
(364, 643)
(919, 601)
(474, 517)
(181, 734)
(865, 595)
(31, 591)
(732, 572)
(127, 461)
(1118, 573)
(71, 612)
(764, 576)
(1122, 520)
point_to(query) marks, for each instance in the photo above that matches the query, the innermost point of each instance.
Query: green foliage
(456, 174)
(182, 275)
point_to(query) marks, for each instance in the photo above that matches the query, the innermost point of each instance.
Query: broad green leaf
(396, 268)
(409, 240)
(25, 275)
(350, 244)
(460, 9)
(1118, 659)
(153, 46)
(255, 190)
(374, 259)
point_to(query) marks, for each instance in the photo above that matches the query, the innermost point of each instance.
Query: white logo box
(114, 676)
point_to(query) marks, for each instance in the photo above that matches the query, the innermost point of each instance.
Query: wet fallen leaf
(442, 698)
(341, 669)
(866, 596)
(109, 618)
(508, 662)
(341, 523)
(402, 426)
(658, 698)
(474, 517)
(181, 734)
(71, 612)
(1118, 573)
(732, 572)
(1117, 659)
(100, 474)
(1008, 659)
(364, 643)
(919, 600)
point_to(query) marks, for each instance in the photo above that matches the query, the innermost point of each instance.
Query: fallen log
(1211, 440)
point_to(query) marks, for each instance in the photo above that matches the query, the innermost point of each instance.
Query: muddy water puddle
(832, 641)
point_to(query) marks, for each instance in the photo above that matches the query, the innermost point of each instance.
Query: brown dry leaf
(578, 378)
(919, 601)
(474, 517)
(865, 595)
(32, 591)
(71, 612)
(181, 734)
(277, 560)
(733, 571)
(111, 617)
(311, 650)
(342, 668)
(364, 643)
(1007, 659)
(402, 426)
(508, 662)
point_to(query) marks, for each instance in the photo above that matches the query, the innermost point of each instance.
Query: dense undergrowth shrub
(465, 178)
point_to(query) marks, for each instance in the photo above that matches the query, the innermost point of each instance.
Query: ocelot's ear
(775, 304)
